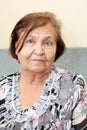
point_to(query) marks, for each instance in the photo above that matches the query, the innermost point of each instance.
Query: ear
(16, 52)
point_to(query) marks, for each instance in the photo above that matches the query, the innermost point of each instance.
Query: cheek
(20, 58)
(51, 55)
(24, 54)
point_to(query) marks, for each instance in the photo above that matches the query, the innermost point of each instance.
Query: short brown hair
(31, 21)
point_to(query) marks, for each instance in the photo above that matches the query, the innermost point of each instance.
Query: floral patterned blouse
(60, 107)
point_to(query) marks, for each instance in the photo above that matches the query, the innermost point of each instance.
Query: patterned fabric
(60, 106)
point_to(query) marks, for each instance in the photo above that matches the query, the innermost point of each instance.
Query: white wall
(73, 14)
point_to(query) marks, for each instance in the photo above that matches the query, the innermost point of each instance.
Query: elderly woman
(41, 96)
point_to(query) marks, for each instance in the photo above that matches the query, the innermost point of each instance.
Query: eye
(30, 41)
(48, 43)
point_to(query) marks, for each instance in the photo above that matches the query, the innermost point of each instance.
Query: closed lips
(39, 60)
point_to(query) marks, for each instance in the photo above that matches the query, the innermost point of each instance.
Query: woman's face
(39, 49)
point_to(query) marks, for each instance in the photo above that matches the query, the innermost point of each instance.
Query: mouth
(38, 60)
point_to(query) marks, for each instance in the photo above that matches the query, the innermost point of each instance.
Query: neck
(34, 78)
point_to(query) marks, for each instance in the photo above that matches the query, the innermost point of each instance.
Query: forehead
(47, 29)
(41, 32)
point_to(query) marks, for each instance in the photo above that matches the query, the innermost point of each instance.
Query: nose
(39, 49)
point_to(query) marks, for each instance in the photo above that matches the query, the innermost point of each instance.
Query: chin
(39, 71)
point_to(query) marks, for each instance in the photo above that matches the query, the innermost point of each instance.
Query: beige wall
(73, 14)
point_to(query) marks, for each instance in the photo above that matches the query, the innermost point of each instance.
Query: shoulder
(75, 78)
(72, 89)
(8, 77)
(71, 85)
(6, 84)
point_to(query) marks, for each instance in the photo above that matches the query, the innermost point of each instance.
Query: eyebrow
(47, 37)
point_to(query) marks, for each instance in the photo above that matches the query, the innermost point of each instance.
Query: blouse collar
(50, 92)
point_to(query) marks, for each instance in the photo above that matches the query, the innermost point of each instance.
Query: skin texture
(36, 58)
(38, 52)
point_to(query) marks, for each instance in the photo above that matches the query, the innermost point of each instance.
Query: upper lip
(40, 60)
